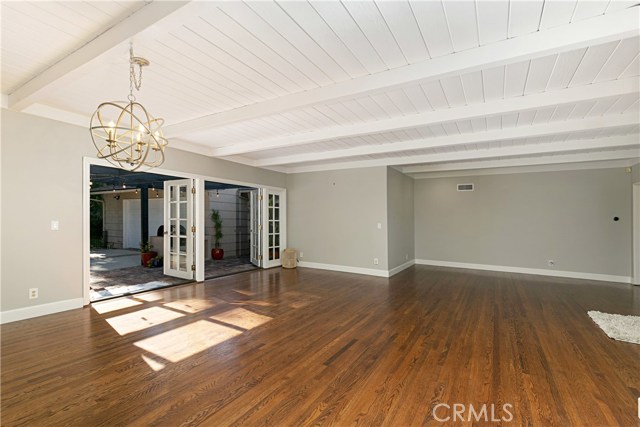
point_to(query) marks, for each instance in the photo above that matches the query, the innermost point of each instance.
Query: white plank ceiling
(425, 86)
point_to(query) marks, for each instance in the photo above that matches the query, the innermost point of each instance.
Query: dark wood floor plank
(309, 347)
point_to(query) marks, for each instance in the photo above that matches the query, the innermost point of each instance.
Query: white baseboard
(536, 271)
(344, 268)
(399, 268)
(39, 310)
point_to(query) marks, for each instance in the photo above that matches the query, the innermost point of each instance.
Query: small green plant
(145, 247)
(155, 262)
(217, 225)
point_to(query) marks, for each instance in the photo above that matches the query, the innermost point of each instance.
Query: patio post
(144, 213)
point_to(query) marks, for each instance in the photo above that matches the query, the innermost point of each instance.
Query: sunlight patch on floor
(242, 318)
(150, 297)
(114, 304)
(179, 343)
(192, 305)
(153, 364)
(243, 292)
(254, 302)
(142, 319)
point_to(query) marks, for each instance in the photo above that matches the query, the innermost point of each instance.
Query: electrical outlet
(301, 254)
(379, 226)
(551, 263)
(406, 257)
(55, 225)
(33, 293)
(375, 261)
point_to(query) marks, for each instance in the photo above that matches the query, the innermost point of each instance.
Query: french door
(179, 228)
(268, 226)
(255, 208)
(274, 230)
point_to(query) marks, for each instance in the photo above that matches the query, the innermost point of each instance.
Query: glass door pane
(274, 232)
(178, 222)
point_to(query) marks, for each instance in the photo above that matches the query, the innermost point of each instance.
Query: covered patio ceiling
(104, 178)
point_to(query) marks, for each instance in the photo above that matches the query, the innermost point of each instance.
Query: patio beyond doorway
(117, 272)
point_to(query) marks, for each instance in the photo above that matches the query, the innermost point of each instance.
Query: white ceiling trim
(53, 113)
(533, 131)
(588, 32)
(629, 157)
(605, 164)
(510, 105)
(188, 146)
(578, 157)
(63, 71)
(627, 141)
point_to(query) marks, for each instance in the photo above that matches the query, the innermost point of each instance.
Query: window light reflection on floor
(192, 305)
(150, 297)
(153, 364)
(179, 343)
(142, 319)
(114, 304)
(241, 318)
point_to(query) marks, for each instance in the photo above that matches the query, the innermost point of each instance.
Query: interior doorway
(253, 229)
(636, 234)
(126, 253)
(227, 239)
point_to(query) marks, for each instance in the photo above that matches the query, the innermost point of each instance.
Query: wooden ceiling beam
(541, 130)
(584, 33)
(467, 112)
(62, 71)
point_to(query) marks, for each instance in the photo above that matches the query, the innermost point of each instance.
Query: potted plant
(217, 252)
(146, 254)
(155, 262)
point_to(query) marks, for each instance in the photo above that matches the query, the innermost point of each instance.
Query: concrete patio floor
(117, 272)
(113, 259)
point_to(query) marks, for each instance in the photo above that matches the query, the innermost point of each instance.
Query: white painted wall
(131, 220)
(524, 220)
(46, 156)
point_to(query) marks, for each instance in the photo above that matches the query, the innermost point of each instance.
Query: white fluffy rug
(617, 326)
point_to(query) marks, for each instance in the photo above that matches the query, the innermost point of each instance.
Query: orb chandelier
(124, 133)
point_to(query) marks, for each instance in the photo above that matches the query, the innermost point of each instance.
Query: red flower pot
(217, 253)
(145, 257)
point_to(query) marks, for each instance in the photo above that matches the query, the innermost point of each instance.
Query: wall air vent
(465, 187)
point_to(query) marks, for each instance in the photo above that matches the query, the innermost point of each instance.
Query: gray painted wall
(635, 173)
(400, 218)
(523, 220)
(41, 181)
(332, 216)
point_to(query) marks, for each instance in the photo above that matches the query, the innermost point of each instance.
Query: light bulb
(111, 131)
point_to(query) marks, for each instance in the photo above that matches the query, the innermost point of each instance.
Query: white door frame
(87, 162)
(171, 232)
(636, 233)
(255, 232)
(282, 223)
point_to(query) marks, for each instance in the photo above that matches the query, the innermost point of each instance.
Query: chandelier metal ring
(134, 139)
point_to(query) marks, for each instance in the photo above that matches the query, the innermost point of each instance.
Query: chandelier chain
(133, 81)
(124, 133)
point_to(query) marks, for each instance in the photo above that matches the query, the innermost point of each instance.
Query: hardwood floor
(310, 347)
